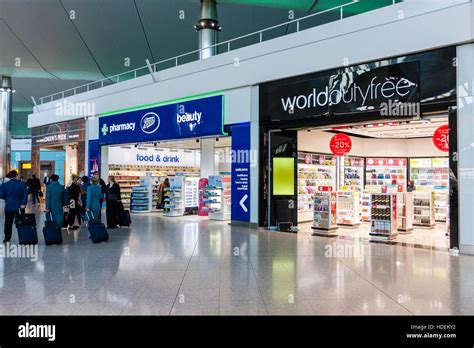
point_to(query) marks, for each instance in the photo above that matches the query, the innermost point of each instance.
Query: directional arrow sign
(242, 201)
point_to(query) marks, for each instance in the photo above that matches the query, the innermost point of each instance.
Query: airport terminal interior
(268, 157)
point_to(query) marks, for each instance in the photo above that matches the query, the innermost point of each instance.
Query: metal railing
(229, 45)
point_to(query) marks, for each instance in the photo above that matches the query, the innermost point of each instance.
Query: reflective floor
(185, 266)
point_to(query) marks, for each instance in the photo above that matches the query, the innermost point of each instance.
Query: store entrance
(392, 186)
(175, 178)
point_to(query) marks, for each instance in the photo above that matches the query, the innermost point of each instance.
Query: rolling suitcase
(24, 219)
(98, 232)
(27, 234)
(124, 218)
(52, 231)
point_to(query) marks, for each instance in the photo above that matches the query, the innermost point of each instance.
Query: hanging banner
(441, 138)
(340, 144)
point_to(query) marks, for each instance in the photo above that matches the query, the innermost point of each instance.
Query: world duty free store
(364, 151)
(185, 141)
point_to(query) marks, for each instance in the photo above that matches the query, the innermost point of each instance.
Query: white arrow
(244, 198)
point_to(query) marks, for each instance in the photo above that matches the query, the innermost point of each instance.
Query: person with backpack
(55, 196)
(15, 194)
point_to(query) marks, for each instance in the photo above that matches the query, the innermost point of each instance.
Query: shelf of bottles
(404, 212)
(325, 213)
(191, 192)
(141, 196)
(314, 171)
(424, 208)
(365, 205)
(383, 226)
(174, 202)
(352, 173)
(216, 197)
(348, 208)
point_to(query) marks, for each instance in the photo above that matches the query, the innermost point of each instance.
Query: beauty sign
(340, 144)
(441, 138)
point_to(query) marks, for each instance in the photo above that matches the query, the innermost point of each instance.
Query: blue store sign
(189, 119)
(240, 209)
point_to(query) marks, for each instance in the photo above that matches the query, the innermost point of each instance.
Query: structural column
(207, 157)
(207, 27)
(6, 92)
(465, 156)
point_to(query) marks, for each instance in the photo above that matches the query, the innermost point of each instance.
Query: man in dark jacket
(34, 187)
(15, 194)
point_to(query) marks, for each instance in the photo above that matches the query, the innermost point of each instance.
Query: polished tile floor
(189, 265)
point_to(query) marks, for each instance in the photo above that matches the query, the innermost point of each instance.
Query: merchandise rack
(325, 211)
(348, 209)
(404, 206)
(441, 206)
(216, 197)
(383, 226)
(352, 173)
(365, 203)
(174, 202)
(424, 209)
(141, 196)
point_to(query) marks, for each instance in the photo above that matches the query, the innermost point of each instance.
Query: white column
(255, 190)
(207, 157)
(104, 162)
(465, 83)
(5, 112)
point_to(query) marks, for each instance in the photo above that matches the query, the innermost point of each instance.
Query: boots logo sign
(150, 123)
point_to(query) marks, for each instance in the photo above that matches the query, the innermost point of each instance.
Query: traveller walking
(113, 198)
(75, 208)
(94, 198)
(55, 193)
(34, 187)
(15, 194)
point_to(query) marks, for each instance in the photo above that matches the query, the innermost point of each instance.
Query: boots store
(363, 152)
(175, 158)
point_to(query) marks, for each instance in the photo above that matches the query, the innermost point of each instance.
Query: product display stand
(142, 196)
(348, 209)
(325, 208)
(384, 217)
(404, 209)
(216, 198)
(441, 205)
(191, 193)
(175, 203)
(365, 203)
(424, 209)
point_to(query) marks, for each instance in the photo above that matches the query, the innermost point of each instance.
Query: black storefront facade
(352, 95)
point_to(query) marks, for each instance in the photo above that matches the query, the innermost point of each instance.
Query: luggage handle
(91, 213)
(50, 216)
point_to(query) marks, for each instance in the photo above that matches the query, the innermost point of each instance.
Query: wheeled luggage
(27, 234)
(24, 219)
(98, 232)
(52, 231)
(124, 218)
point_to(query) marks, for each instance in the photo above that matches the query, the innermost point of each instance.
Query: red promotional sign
(324, 188)
(441, 138)
(340, 144)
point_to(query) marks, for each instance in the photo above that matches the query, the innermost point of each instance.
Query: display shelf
(441, 206)
(314, 171)
(352, 173)
(191, 192)
(141, 196)
(365, 205)
(383, 217)
(388, 172)
(325, 212)
(424, 208)
(174, 203)
(404, 209)
(216, 197)
(348, 209)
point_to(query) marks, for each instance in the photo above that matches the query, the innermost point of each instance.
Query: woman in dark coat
(76, 208)
(113, 198)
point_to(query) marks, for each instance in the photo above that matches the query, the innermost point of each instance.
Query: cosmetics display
(216, 197)
(404, 209)
(424, 208)
(348, 209)
(141, 196)
(324, 214)
(387, 172)
(365, 205)
(174, 203)
(352, 174)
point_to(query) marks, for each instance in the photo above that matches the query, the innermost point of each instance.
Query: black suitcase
(52, 231)
(98, 232)
(27, 234)
(24, 219)
(124, 218)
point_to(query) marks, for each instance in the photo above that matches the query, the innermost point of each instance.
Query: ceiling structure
(47, 46)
